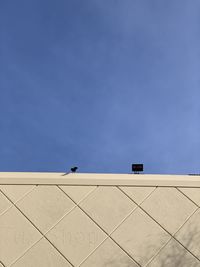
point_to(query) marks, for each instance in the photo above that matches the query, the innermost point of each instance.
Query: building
(99, 220)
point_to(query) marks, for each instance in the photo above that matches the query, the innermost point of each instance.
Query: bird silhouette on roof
(73, 170)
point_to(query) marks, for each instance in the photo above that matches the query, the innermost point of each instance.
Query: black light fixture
(137, 168)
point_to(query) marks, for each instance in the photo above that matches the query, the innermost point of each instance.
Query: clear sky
(100, 84)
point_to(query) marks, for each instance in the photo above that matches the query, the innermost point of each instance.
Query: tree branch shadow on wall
(176, 255)
(173, 254)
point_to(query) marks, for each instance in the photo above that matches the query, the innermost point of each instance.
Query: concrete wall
(98, 225)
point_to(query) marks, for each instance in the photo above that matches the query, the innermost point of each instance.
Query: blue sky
(100, 84)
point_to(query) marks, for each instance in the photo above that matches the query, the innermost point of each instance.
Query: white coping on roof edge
(41, 178)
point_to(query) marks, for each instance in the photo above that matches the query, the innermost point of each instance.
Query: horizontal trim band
(36, 178)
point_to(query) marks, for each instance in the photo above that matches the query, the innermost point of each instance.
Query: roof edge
(107, 179)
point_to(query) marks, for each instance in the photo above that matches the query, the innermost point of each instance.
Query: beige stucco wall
(60, 224)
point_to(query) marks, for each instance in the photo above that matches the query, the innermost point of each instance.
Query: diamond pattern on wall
(16, 192)
(4, 203)
(138, 194)
(75, 235)
(189, 234)
(109, 254)
(174, 255)
(17, 234)
(77, 193)
(169, 207)
(42, 254)
(140, 236)
(45, 205)
(192, 193)
(108, 206)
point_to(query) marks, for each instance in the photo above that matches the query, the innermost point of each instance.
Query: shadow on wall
(176, 255)
(172, 253)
